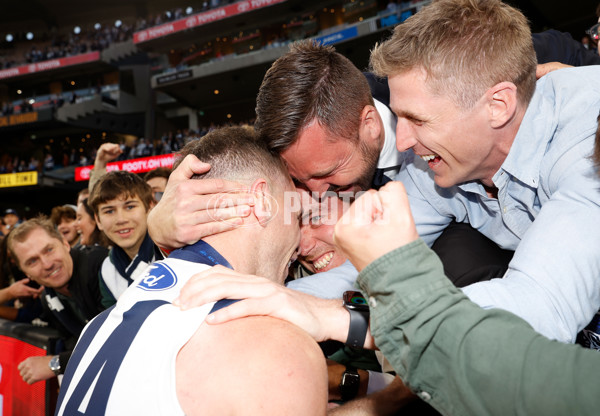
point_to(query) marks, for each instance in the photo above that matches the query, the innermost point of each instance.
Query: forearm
(463, 359)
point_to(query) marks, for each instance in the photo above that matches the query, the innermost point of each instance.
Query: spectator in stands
(83, 194)
(157, 179)
(71, 296)
(90, 234)
(107, 152)
(121, 201)
(19, 297)
(11, 219)
(48, 162)
(63, 217)
(292, 379)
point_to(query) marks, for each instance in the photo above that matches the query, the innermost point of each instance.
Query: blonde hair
(465, 48)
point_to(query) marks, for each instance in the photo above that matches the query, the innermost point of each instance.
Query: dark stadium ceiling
(21, 15)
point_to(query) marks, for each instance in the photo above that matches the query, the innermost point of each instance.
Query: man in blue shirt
(481, 147)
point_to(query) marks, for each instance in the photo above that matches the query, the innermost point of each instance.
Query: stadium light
(188, 10)
(9, 37)
(118, 23)
(29, 35)
(77, 30)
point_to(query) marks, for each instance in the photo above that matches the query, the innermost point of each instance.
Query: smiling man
(485, 145)
(71, 296)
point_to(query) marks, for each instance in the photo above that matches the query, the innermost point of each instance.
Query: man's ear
(370, 124)
(263, 201)
(502, 103)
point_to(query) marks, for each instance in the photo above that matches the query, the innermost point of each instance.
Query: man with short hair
(71, 296)
(478, 151)
(144, 355)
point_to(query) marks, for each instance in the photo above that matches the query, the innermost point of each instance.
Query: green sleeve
(465, 360)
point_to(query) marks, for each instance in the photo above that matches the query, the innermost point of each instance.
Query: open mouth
(125, 233)
(323, 261)
(432, 159)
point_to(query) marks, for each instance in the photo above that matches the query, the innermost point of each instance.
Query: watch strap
(357, 332)
(349, 384)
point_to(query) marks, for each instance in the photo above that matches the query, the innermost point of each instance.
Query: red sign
(140, 165)
(201, 19)
(16, 396)
(50, 64)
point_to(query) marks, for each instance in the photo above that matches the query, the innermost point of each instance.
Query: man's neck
(236, 248)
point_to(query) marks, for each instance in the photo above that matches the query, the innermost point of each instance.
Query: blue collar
(201, 252)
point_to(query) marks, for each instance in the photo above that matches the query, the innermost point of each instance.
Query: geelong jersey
(124, 361)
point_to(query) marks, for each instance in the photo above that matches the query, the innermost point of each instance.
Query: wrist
(336, 321)
(54, 365)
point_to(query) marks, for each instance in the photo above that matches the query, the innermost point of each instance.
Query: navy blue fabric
(108, 360)
(201, 252)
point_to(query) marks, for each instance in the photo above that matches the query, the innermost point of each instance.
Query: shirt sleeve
(466, 360)
(553, 279)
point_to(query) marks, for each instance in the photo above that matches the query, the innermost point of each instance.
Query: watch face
(355, 300)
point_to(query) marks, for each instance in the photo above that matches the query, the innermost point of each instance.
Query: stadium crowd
(420, 239)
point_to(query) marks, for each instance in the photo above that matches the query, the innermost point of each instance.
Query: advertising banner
(18, 179)
(201, 19)
(140, 165)
(50, 64)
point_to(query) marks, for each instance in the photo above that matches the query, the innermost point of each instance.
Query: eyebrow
(408, 115)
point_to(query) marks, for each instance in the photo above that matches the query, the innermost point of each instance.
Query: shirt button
(424, 396)
(372, 302)
(505, 209)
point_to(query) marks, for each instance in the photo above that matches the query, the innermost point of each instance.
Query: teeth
(427, 158)
(123, 231)
(53, 273)
(323, 262)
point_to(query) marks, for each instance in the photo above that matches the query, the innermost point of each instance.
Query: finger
(226, 190)
(241, 309)
(189, 166)
(217, 287)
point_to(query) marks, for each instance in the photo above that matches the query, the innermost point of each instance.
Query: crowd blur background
(154, 74)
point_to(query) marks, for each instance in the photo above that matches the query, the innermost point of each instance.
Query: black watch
(349, 384)
(357, 306)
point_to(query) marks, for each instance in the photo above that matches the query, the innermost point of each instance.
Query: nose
(317, 185)
(307, 241)
(46, 262)
(405, 137)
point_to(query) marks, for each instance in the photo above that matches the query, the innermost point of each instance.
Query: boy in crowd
(63, 217)
(157, 179)
(121, 202)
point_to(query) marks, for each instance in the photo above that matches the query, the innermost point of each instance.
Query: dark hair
(234, 153)
(62, 212)
(157, 173)
(310, 82)
(98, 237)
(117, 184)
